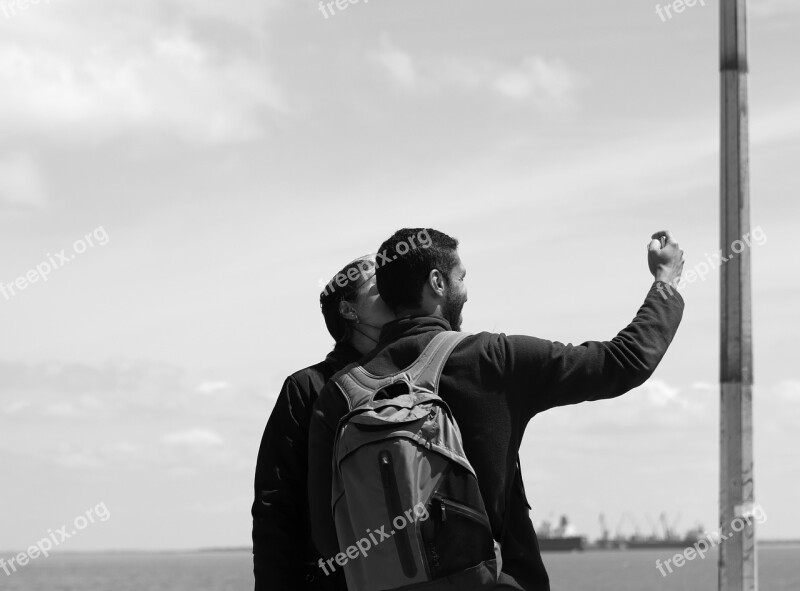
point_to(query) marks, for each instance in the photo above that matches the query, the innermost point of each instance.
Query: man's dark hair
(405, 261)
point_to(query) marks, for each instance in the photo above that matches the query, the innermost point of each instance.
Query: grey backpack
(405, 499)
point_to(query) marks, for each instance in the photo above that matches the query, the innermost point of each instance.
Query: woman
(284, 557)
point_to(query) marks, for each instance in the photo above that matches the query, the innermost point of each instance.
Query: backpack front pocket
(456, 537)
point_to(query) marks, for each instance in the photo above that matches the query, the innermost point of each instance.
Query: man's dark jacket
(495, 384)
(284, 557)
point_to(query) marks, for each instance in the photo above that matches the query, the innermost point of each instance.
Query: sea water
(631, 570)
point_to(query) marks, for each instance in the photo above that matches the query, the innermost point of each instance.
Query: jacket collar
(343, 354)
(411, 326)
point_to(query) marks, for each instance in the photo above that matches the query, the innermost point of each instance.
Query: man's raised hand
(665, 258)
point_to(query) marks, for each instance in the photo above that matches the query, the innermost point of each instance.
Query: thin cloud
(16, 406)
(67, 79)
(212, 387)
(546, 83)
(120, 391)
(63, 410)
(397, 63)
(68, 457)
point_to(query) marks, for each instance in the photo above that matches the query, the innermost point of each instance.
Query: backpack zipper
(461, 509)
(392, 496)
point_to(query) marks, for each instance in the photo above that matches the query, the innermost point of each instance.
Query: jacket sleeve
(330, 407)
(543, 374)
(279, 512)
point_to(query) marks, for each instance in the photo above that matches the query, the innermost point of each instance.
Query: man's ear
(437, 282)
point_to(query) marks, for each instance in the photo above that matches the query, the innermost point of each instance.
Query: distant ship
(564, 537)
(565, 544)
(561, 538)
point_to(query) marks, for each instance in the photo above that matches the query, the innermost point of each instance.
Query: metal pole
(737, 556)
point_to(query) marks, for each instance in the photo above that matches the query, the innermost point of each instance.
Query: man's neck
(408, 312)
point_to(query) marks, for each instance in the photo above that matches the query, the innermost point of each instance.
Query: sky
(179, 178)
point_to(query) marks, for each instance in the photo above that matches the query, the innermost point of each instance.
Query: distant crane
(627, 516)
(670, 531)
(653, 526)
(603, 528)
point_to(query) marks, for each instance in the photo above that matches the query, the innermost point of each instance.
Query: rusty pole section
(737, 556)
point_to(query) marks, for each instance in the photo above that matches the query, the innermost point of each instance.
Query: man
(284, 557)
(494, 384)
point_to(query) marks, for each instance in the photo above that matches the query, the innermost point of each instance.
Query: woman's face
(371, 309)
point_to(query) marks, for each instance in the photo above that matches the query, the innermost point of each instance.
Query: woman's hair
(344, 288)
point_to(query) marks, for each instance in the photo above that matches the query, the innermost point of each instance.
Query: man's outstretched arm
(543, 374)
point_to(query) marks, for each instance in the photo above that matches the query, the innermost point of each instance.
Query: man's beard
(453, 304)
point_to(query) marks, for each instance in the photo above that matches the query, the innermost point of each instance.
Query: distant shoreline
(247, 549)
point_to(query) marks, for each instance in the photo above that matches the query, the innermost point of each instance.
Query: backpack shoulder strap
(358, 385)
(427, 370)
